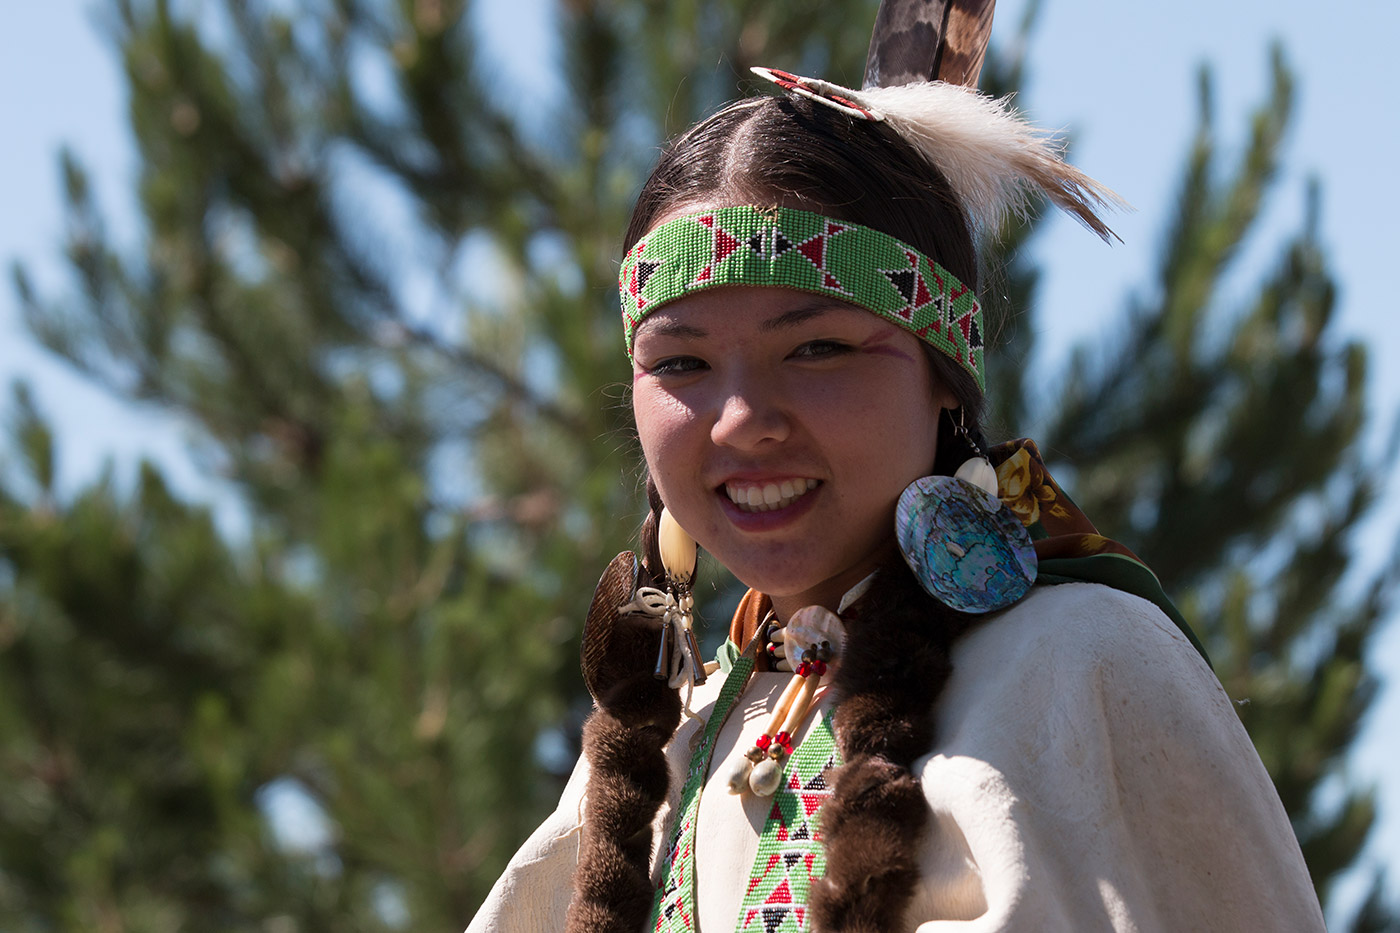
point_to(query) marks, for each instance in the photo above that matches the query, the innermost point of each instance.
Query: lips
(769, 496)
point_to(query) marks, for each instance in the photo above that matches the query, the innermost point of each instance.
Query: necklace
(790, 851)
(790, 854)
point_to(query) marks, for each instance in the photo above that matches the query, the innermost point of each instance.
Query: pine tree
(380, 288)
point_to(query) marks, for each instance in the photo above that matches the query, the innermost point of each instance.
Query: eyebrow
(795, 316)
(790, 318)
(664, 328)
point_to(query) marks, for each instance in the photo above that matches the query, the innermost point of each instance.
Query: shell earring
(976, 469)
(679, 651)
(965, 548)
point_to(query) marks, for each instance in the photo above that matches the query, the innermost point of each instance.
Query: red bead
(783, 739)
(763, 741)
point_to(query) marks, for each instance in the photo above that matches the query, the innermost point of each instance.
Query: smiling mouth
(768, 497)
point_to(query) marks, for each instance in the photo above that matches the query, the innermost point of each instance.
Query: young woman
(903, 733)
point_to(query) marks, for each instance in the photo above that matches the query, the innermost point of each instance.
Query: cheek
(902, 432)
(916, 423)
(663, 423)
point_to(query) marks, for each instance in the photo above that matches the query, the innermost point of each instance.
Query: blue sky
(1120, 75)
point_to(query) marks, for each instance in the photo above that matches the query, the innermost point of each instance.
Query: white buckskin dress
(1090, 774)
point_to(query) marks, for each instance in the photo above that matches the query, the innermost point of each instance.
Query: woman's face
(780, 428)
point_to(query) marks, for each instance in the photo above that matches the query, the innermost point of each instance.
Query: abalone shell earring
(966, 549)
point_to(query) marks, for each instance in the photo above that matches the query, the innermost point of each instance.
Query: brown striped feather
(968, 29)
(924, 40)
(905, 43)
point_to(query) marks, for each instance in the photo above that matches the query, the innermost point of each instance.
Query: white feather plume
(993, 158)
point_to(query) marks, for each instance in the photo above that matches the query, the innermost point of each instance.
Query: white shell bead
(810, 626)
(766, 777)
(737, 773)
(979, 472)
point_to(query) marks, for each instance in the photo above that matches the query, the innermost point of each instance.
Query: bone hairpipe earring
(678, 556)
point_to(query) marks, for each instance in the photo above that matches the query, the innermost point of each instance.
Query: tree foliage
(378, 282)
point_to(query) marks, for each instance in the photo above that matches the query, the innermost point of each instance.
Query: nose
(750, 416)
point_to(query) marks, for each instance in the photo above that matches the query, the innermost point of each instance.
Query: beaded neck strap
(673, 908)
(790, 854)
(786, 248)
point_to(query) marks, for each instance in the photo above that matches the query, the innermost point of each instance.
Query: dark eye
(676, 366)
(820, 349)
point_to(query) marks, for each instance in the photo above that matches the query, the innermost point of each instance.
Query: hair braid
(887, 687)
(624, 741)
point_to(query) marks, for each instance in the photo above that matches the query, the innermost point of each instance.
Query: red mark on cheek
(880, 345)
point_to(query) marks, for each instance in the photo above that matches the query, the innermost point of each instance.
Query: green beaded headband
(809, 252)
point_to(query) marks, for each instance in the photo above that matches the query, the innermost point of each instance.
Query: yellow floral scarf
(1067, 545)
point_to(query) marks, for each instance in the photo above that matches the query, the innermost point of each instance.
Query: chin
(791, 568)
(761, 576)
(779, 581)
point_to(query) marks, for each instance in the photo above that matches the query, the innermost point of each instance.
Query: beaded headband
(786, 248)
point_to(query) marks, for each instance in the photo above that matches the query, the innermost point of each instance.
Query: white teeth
(769, 496)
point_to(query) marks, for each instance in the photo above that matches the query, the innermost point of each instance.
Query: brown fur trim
(872, 826)
(612, 884)
(896, 665)
(628, 780)
(627, 688)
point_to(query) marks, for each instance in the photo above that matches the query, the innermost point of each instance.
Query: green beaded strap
(673, 909)
(790, 852)
(810, 252)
